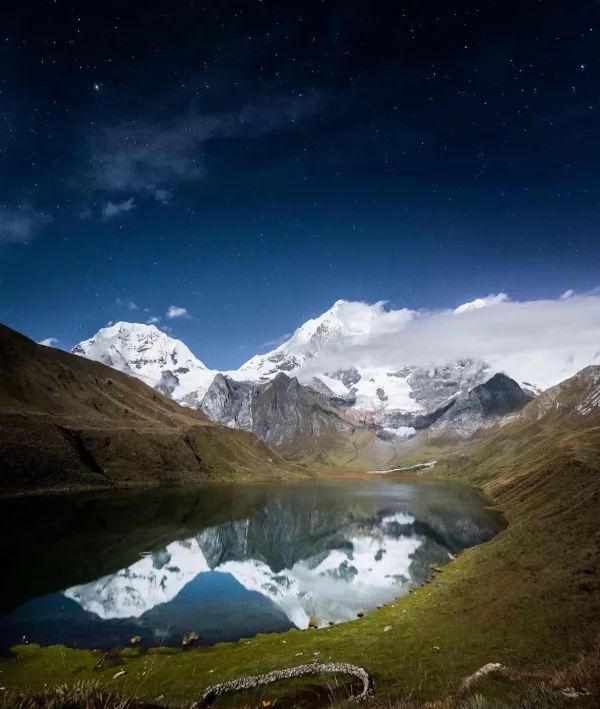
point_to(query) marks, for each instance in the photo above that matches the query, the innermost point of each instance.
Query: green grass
(511, 693)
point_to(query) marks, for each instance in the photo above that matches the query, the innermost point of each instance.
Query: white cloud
(275, 342)
(21, 225)
(176, 312)
(541, 341)
(162, 196)
(115, 209)
(567, 294)
(131, 305)
(49, 342)
(153, 320)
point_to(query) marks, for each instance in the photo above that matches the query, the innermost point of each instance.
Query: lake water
(226, 561)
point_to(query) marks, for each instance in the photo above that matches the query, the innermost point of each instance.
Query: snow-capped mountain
(344, 321)
(398, 369)
(149, 354)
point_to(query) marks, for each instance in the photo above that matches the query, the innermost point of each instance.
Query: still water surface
(225, 561)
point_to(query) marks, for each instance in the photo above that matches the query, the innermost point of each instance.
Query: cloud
(115, 209)
(567, 294)
(49, 342)
(21, 225)
(162, 196)
(539, 341)
(141, 156)
(131, 305)
(277, 340)
(153, 320)
(175, 312)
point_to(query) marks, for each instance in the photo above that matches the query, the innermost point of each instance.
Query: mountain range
(323, 384)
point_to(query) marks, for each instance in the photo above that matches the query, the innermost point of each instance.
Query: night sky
(252, 162)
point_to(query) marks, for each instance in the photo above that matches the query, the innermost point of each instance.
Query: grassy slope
(68, 421)
(527, 598)
(360, 451)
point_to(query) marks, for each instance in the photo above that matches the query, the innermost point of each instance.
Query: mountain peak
(492, 299)
(125, 328)
(473, 305)
(149, 354)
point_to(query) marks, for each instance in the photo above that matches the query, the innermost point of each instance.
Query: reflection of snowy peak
(331, 586)
(312, 558)
(154, 579)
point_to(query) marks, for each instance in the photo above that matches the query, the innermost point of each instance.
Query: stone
(189, 638)
(492, 668)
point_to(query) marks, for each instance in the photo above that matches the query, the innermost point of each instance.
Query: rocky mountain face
(483, 404)
(576, 397)
(280, 411)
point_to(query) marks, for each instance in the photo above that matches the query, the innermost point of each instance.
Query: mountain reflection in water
(271, 558)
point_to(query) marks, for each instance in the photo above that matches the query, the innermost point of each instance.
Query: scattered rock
(135, 640)
(492, 668)
(331, 622)
(575, 693)
(121, 673)
(159, 698)
(387, 628)
(190, 638)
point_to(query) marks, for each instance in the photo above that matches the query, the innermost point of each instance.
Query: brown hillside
(66, 421)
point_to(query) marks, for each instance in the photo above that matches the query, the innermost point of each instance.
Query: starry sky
(230, 169)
